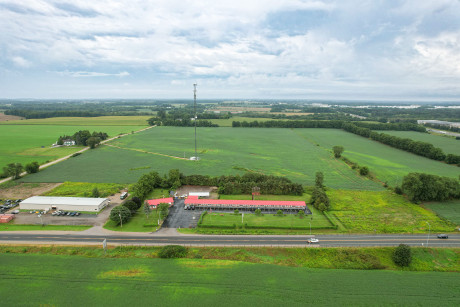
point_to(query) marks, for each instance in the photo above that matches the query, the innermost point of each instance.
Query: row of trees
(84, 138)
(416, 147)
(180, 122)
(337, 124)
(426, 187)
(319, 198)
(15, 169)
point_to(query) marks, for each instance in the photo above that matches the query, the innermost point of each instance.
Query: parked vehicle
(124, 195)
(443, 236)
(15, 212)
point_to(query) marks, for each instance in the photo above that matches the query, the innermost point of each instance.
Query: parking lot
(83, 219)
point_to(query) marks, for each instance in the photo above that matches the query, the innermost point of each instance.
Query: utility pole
(194, 110)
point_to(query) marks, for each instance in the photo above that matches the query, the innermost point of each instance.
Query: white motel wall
(64, 203)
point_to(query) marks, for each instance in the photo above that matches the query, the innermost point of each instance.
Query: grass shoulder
(19, 227)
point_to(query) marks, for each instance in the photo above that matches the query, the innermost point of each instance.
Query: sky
(271, 49)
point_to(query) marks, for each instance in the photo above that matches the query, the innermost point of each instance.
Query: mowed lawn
(387, 163)
(383, 212)
(50, 280)
(224, 151)
(28, 143)
(448, 144)
(449, 210)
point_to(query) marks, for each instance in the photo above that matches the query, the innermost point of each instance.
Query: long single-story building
(244, 204)
(64, 203)
(153, 203)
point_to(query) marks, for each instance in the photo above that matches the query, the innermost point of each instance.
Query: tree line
(423, 149)
(426, 187)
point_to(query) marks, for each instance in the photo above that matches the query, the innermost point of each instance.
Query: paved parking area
(84, 219)
(180, 218)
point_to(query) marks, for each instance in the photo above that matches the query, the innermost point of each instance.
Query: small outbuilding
(64, 203)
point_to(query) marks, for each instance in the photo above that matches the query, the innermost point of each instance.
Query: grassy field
(49, 280)
(228, 122)
(317, 220)
(448, 144)
(138, 222)
(387, 163)
(449, 210)
(28, 143)
(84, 189)
(85, 121)
(223, 150)
(383, 212)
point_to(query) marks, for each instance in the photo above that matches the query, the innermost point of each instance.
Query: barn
(64, 203)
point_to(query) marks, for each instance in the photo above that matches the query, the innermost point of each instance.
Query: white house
(64, 203)
(69, 142)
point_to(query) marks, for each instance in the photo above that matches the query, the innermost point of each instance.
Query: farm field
(228, 122)
(84, 189)
(448, 144)
(23, 143)
(382, 212)
(449, 210)
(198, 282)
(223, 150)
(387, 163)
(85, 121)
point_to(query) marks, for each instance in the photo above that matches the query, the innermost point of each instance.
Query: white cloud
(346, 47)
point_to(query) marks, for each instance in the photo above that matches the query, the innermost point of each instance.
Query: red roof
(192, 197)
(260, 203)
(156, 202)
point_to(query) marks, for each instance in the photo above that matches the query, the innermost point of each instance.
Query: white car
(313, 240)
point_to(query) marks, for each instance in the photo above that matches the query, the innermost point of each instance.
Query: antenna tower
(194, 110)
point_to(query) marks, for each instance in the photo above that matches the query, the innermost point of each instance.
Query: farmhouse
(153, 203)
(64, 203)
(69, 142)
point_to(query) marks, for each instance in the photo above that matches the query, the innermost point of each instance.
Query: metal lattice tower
(194, 110)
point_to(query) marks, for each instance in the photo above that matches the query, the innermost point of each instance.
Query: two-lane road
(240, 240)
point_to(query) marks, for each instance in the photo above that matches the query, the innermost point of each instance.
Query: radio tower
(194, 111)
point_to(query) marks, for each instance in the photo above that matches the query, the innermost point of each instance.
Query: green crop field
(448, 144)
(84, 121)
(48, 280)
(228, 122)
(84, 189)
(28, 143)
(387, 163)
(383, 212)
(223, 150)
(449, 210)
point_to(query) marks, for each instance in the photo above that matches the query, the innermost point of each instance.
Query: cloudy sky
(296, 49)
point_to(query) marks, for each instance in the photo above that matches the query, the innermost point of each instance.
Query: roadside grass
(228, 151)
(447, 143)
(352, 258)
(449, 210)
(28, 143)
(197, 282)
(85, 121)
(383, 212)
(18, 227)
(138, 222)
(84, 189)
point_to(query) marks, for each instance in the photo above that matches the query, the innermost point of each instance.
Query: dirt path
(80, 151)
(147, 152)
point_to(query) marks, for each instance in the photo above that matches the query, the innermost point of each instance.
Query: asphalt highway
(240, 240)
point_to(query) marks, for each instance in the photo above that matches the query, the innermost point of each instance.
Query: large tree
(32, 167)
(120, 214)
(13, 170)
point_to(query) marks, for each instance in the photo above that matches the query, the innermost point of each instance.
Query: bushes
(426, 187)
(131, 206)
(173, 251)
(402, 255)
(364, 171)
(32, 167)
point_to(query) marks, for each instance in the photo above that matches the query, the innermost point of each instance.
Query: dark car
(443, 236)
